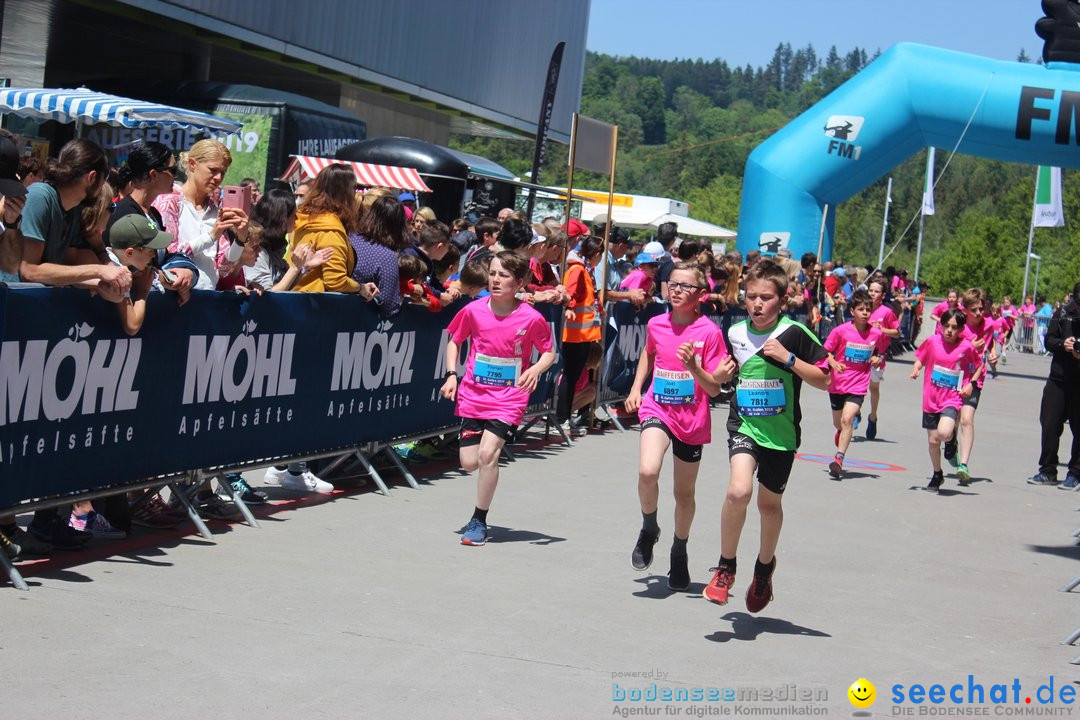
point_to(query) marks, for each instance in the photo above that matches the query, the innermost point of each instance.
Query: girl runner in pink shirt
(950, 361)
(883, 319)
(686, 355)
(492, 396)
(854, 349)
(951, 301)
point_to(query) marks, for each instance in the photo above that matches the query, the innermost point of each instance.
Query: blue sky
(748, 31)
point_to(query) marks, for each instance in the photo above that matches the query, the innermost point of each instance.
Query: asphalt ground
(365, 606)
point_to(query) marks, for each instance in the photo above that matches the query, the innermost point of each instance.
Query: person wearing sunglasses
(151, 171)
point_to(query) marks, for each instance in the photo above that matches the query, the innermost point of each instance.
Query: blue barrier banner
(224, 380)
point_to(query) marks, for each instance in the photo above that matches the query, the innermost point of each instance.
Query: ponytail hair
(144, 157)
(77, 158)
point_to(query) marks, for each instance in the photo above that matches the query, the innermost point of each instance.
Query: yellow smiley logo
(862, 693)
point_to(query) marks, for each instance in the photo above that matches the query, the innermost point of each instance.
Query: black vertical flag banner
(544, 123)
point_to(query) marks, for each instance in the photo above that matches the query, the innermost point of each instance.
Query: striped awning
(89, 107)
(367, 174)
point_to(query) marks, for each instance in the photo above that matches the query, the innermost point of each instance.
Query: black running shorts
(472, 429)
(773, 466)
(681, 450)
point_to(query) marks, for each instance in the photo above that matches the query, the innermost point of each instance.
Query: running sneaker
(936, 481)
(10, 549)
(759, 594)
(59, 534)
(1042, 479)
(950, 452)
(1071, 482)
(97, 525)
(835, 469)
(720, 586)
(306, 482)
(156, 514)
(475, 533)
(963, 474)
(273, 476)
(30, 545)
(245, 491)
(642, 556)
(213, 507)
(856, 421)
(679, 575)
(871, 429)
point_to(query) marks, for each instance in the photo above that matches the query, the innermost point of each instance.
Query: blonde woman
(192, 213)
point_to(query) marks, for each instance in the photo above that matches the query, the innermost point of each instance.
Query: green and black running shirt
(766, 403)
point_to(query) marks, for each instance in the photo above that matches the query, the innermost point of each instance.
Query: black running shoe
(641, 558)
(678, 577)
(936, 481)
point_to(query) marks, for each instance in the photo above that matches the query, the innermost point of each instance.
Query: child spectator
(413, 289)
(643, 276)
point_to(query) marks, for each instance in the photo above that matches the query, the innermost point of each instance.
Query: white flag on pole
(928, 184)
(1048, 211)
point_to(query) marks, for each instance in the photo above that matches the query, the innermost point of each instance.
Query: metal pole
(821, 235)
(1027, 258)
(885, 224)
(1038, 264)
(608, 224)
(918, 247)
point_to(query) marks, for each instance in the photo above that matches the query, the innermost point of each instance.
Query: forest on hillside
(686, 128)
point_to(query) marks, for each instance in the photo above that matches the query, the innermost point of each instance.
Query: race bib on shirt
(858, 353)
(946, 378)
(673, 387)
(758, 398)
(496, 371)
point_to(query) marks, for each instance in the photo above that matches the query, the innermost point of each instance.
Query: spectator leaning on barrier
(324, 220)
(192, 213)
(150, 170)
(12, 200)
(1061, 396)
(487, 233)
(433, 242)
(50, 223)
(619, 241)
(382, 235)
(666, 234)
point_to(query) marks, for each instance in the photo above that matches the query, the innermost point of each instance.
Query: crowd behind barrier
(226, 380)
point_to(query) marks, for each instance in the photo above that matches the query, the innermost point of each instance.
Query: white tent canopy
(647, 212)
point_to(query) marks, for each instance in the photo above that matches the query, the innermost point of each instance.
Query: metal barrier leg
(613, 417)
(1072, 638)
(552, 421)
(1069, 586)
(244, 509)
(9, 568)
(509, 455)
(1075, 660)
(402, 468)
(373, 473)
(193, 514)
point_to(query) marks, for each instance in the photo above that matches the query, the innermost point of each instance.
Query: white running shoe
(274, 476)
(306, 482)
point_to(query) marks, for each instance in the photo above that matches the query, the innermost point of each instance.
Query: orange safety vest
(585, 327)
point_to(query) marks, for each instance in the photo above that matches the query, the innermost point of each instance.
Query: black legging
(1060, 402)
(575, 355)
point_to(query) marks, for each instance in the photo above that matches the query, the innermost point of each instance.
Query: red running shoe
(720, 586)
(759, 594)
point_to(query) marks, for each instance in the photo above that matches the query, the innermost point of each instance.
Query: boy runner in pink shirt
(492, 396)
(853, 352)
(950, 362)
(979, 331)
(883, 319)
(685, 353)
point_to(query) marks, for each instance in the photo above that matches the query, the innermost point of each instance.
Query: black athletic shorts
(681, 450)
(930, 420)
(472, 429)
(837, 400)
(773, 466)
(972, 400)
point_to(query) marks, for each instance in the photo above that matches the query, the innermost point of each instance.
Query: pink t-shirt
(673, 396)
(946, 369)
(499, 351)
(853, 349)
(886, 320)
(1008, 318)
(1028, 310)
(637, 280)
(986, 334)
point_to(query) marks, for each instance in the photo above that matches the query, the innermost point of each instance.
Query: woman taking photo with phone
(195, 218)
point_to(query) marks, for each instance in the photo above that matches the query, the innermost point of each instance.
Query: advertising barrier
(224, 380)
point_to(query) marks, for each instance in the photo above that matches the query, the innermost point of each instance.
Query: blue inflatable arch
(911, 97)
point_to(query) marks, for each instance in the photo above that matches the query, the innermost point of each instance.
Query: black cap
(10, 185)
